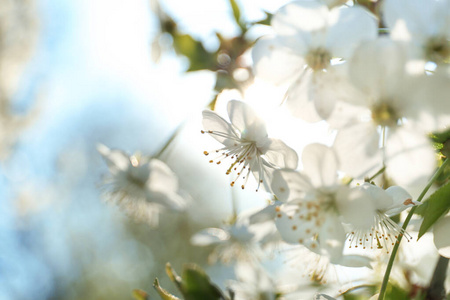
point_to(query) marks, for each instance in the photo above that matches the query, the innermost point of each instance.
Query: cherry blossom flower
(307, 36)
(317, 204)
(246, 144)
(237, 242)
(384, 232)
(392, 118)
(141, 186)
(425, 24)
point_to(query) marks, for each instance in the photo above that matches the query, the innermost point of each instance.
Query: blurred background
(78, 73)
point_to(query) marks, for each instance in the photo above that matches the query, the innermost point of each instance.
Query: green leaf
(165, 295)
(266, 20)
(237, 15)
(199, 58)
(140, 295)
(438, 204)
(197, 285)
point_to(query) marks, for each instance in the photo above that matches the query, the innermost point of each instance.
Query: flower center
(318, 59)
(437, 49)
(383, 235)
(244, 155)
(384, 114)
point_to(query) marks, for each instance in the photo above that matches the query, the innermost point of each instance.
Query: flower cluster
(381, 90)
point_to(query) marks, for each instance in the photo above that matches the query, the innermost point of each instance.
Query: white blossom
(384, 232)
(391, 118)
(141, 186)
(425, 24)
(246, 144)
(307, 36)
(237, 242)
(317, 204)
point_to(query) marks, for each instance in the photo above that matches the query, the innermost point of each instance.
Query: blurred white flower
(384, 232)
(247, 144)
(390, 105)
(441, 234)
(425, 24)
(307, 36)
(317, 204)
(234, 243)
(141, 186)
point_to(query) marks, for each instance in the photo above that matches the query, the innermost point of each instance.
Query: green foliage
(237, 15)
(395, 292)
(436, 205)
(199, 58)
(193, 284)
(266, 20)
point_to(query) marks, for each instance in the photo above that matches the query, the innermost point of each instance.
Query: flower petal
(381, 199)
(343, 36)
(244, 118)
(275, 62)
(320, 164)
(209, 236)
(332, 239)
(268, 213)
(289, 185)
(300, 16)
(292, 228)
(356, 207)
(116, 160)
(401, 200)
(355, 261)
(410, 157)
(281, 155)
(442, 237)
(161, 177)
(213, 122)
(300, 98)
(357, 148)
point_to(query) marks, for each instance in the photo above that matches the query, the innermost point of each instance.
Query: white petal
(275, 62)
(320, 163)
(375, 78)
(244, 118)
(332, 239)
(300, 98)
(293, 229)
(115, 159)
(268, 213)
(300, 16)
(209, 236)
(442, 237)
(381, 199)
(343, 35)
(213, 122)
(170, 200)
(410, 157)
(281, 155)
(401, 200)
(323, 93)
(356, 207)
(355, 261)
(161, 177)
(357, 148)
(289, 185)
